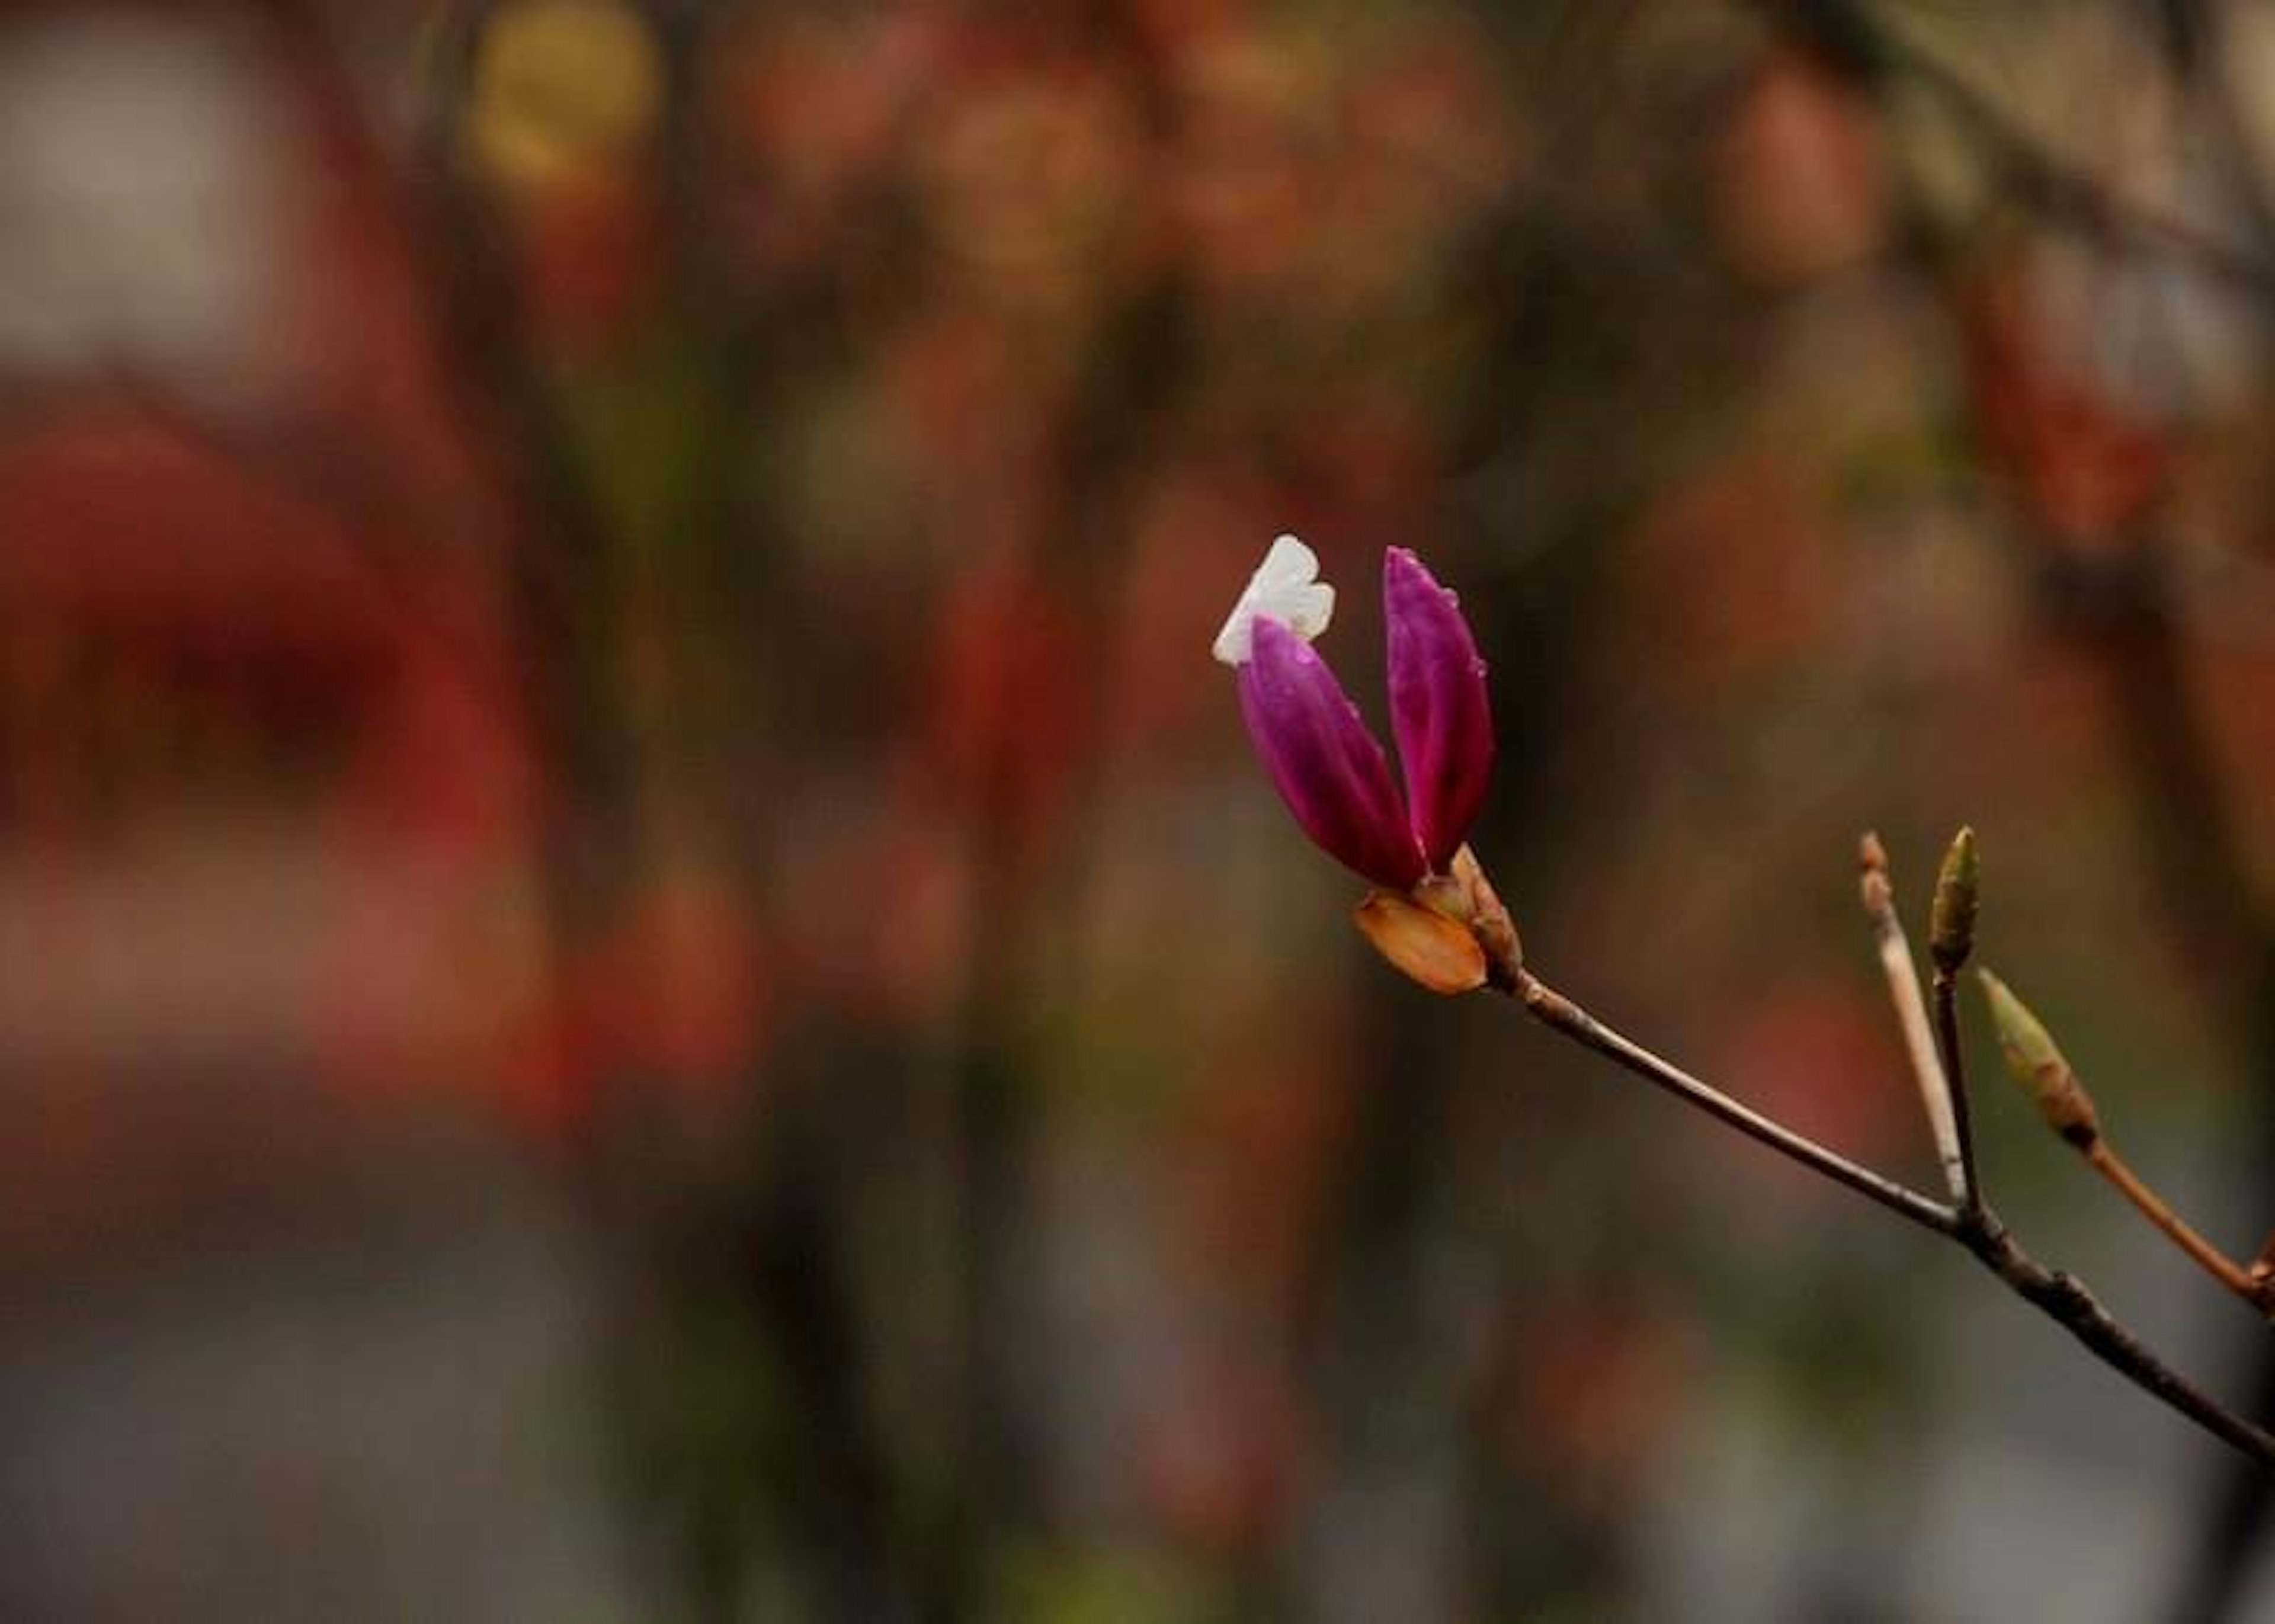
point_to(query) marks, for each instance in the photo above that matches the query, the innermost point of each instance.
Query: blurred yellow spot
(563, 89)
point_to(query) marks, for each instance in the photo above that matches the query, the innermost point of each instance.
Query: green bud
(1951, 926)
(2038, 1065)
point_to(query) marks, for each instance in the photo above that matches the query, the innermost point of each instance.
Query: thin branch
(1935, 1089)
(1553, 1009)
(2103, 1158)
(2073, 196)
(1944, 996)
(2060, 1297)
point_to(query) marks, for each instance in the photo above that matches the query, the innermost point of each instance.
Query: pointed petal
(1322, 760)
(1286, 587)
(1439, 712)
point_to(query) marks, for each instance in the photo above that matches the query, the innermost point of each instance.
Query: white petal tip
(1286, 588)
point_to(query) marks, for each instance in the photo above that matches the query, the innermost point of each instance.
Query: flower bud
(1951, 926)
(1326, 767)
(2038, 1065)
(1439, 710)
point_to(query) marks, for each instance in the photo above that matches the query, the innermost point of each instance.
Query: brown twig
(2064, 1298)
(2060, 1297)
(2102, 1156)
(2040, 1068)
(1560, 1014)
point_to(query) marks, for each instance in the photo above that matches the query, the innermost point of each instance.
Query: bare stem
(2060, 1297)
(1935, 1089)
(1946, 1001)
(2104, 1161)
(1553, 1009)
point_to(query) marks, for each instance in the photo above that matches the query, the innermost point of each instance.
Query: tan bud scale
(1432, 950)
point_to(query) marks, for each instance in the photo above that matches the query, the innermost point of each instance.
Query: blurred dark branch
(2184, 808)
(448, 251)
(2195, 42)
(1847, 34)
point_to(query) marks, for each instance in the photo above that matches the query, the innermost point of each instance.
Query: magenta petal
(1439, 712)
(1325, 765)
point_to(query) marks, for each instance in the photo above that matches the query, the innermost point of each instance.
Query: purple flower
(1325, 765)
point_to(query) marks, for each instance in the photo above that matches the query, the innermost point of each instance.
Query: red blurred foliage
(1195, 526)
(2044, 730)
(675, 988)
(1590, 1386)
(1821, 1053)
(2233, 679)
(183, 561)
(1800, 179)
(879, 909)
(1259, 1157)
(298, 601)
(204, 574)
(590, 261)
(1246, 181)
(1737, 571)
(1007, 697)
(806, 116)
(2087, 469)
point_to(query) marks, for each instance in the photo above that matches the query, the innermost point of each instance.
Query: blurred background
(644, 973)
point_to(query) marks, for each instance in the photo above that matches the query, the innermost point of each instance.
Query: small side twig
(2102, 1156)
(2045, 1074)
(1928, 1069)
